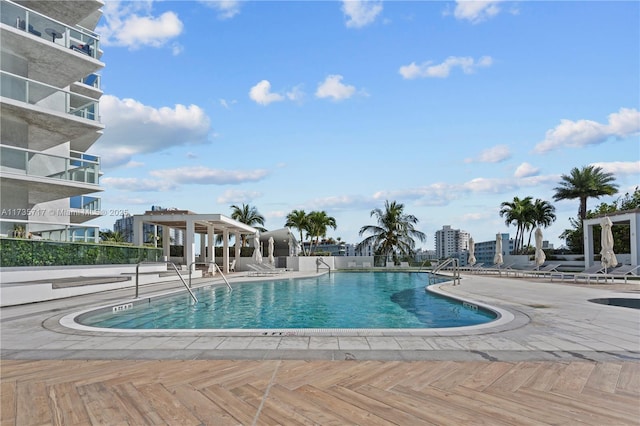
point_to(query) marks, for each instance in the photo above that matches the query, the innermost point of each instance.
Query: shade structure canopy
(540, 256)
(497, 258)
(472, 251)
(271, 244)
(257, 254)
(607, 256)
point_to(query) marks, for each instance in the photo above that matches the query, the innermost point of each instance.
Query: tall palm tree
(543, 214)
(394, 232)
(588, 182)
(248, 215)
(298, 219)
(317, 224)
(517, 212)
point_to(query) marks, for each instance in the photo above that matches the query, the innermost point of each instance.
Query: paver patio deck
(562, 359)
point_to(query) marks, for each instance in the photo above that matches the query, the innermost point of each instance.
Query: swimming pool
(343, 300)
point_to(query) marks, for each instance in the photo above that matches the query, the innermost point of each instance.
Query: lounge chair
(622, 271)
(258, 271)
(541, 271)
(351, 264)
(594, 271)
(472, 268)
(366, 264)
(232, 266)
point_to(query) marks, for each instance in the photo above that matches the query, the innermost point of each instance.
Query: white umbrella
(540, 256)
(497, 259)
(257, 254)
(608, 257)
(271, 259)
(472, 249)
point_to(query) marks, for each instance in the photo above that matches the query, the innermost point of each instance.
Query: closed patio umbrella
(540, 256)
(472, 249)
(257, 254)
(608, 257)
(497, 259)
(271, 258)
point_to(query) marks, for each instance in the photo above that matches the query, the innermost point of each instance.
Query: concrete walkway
(541, 321)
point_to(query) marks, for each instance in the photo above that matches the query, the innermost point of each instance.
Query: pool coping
(504, 319)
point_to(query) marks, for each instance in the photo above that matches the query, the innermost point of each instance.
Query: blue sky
(447, 107)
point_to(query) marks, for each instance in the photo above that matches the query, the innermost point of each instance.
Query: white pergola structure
(630, 217)
(206, 225)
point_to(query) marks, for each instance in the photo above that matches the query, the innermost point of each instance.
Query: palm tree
(249, 216)
(518, 212)
(588, 182)
(298, 219)
(394, 233)
(543, 214)
(110, 236)
(317, 224)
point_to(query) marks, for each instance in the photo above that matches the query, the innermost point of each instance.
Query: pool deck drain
(568, 327)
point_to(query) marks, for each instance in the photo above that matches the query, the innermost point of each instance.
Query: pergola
(206, 225)
(630, 217)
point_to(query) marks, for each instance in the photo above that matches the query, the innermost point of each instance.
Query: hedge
(25, 252)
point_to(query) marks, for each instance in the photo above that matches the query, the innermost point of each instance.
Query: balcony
(83, 208)
(55, 53)
(78, 167)
(48, 177)
(36, 230)
(38, 25)
(49, 97)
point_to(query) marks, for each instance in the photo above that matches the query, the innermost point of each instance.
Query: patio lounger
(257, 271)
(622, 271)
(545, 270)
(351, 264)
(366, 264)
(472, 268)
(595, 271)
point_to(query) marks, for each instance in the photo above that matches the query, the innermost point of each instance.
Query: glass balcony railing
(92, 80)
(85, 203)
(78, 167)
(46, 96)
(48, 231)
(76, 38)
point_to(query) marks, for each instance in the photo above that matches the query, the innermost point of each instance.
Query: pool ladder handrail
(168, 262)
(321, 261)
(208, 263)
(452, 261)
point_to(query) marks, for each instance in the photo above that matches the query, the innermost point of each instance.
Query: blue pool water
(337, 300)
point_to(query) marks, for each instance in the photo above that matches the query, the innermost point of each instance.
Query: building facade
(450, 242)
(49, 118)
(485, 251)
(151, 232)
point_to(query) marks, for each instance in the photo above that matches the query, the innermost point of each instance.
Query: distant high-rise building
(124, 226)
(449, 242)
(49, 118)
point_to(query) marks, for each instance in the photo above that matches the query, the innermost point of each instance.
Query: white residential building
(49, 118)
(449, 242)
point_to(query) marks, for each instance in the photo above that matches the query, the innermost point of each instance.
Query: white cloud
(261, 93)
(494, 154)
(332, 87)
(226, 8)
(206, 176)
(620, 167)
(577, 134)
(296, 94)
(361, 13)
(137, 185)
(134, 128)
(526, 170)
(238, 197)
(132, 25)
(442, 70)
(477, 10)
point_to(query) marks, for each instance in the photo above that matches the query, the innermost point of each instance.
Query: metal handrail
(193, 296)
(319, 261)
(207, 263)
(456, 270)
